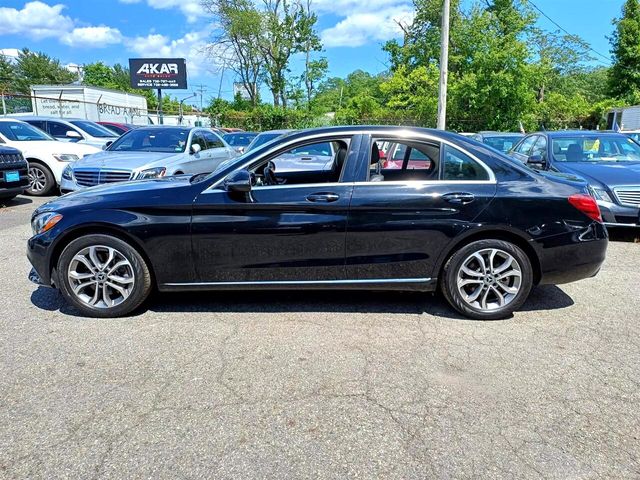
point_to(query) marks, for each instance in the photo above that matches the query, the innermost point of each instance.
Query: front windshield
(93, 129)
(503, 143)
(595, 148)
(169, 140)
(22, 132)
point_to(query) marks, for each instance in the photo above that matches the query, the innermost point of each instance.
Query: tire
(90, 278)
(512, 283)
(41, 180)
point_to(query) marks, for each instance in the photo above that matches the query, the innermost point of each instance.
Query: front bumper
(615, 215)
(67, 186)
(12, 188)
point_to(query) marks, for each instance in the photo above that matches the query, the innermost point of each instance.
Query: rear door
(400, 222)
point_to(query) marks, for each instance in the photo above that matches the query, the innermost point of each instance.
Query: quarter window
(460, 166)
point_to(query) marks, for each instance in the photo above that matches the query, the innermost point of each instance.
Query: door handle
(459, 198)
(323, 197)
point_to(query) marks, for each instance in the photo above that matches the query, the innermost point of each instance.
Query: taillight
(587, 205)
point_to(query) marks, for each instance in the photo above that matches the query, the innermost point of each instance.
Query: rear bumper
(572, 256)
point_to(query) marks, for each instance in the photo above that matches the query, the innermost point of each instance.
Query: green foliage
(37, 68)
(624, 79)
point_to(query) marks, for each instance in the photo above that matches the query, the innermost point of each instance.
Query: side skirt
(413, 284)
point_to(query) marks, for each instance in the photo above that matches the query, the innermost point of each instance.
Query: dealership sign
(158, 73)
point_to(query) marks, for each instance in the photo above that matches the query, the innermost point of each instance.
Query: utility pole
(444, 66)
(201, 89)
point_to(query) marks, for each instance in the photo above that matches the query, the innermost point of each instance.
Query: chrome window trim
(301, 282)
(408, 183)
(382, 133)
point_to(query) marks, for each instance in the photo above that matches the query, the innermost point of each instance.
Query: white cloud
(9, 53)
(361, 26)
(101, 36)
(35, 20)
(191, 9)
(191, 47)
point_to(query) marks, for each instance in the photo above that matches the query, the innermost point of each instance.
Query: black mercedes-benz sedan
(470, 222)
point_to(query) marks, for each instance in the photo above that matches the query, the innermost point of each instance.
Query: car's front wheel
(103, 276)
(41, 180)
(487, 279)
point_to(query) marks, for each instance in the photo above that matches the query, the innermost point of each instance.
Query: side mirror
(537, 161)
(195, 148)
(73, 134)
(239, 181)
(107, 145)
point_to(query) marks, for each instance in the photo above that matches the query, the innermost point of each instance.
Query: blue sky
(84, 31)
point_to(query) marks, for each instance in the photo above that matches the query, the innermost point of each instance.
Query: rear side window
(460, 166)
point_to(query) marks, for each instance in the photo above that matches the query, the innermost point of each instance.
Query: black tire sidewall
(141, 289)
(48, 175)
(450, 274)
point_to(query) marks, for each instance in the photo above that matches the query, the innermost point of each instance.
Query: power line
(608, 59)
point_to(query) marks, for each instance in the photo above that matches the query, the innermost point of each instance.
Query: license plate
(11, 176)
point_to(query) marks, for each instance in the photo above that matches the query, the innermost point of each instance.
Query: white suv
(47, 157)
(75, 130)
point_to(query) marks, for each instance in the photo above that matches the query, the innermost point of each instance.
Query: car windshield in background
(170, 140)
(93, 129)
(319, 149)
(502, 143)
(595, 148)
(239, 139)
(22, 132)
(262, 139)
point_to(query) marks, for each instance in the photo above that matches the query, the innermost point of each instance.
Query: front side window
(22, 132)
(540, 148)
(313, 162)
(527, 145)
(213, 141)
(198, 139)
(59, 130)
(152, 140)
(458, 166)
(595, 148)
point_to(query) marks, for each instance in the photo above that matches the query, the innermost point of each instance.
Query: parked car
(14, 176)
(265, 137)
(117, 128)
(239, 140)
(76, 130)
(482, 228)
(150, 152)
(47, 157)
(503, 141)
(609, 161)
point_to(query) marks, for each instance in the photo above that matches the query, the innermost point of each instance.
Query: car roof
(280, 132)
(574, 133)
(501, 134)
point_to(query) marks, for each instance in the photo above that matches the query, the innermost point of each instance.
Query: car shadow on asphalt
(624, 234)
(14, 202)
(545, 297)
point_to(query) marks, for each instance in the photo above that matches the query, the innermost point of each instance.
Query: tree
(238, 28)
(624, 78)
(7, 75)
(33, 68)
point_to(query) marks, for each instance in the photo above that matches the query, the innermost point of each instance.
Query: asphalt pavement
(319, 385)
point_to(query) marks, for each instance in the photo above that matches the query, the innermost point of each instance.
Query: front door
(285, 230)
(403, 217)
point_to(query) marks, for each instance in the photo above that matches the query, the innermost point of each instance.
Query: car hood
(36, 148)
(126, 160)
(605, 173)
(118, 195)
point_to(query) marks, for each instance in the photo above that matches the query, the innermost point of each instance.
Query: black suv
(14, 177)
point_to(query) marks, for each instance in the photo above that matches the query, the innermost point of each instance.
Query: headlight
(601, 194)
(152, 173)
(45, 221)
(67, 173)
(65, 157)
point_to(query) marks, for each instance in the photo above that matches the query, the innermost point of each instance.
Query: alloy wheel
(489, 279)
(101, 276)
(37, 179)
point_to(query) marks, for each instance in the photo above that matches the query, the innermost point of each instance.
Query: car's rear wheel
(41, 180)
(103, 276)
(487, 279)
